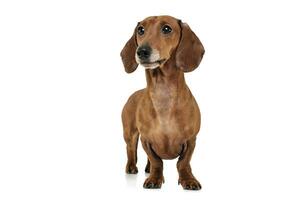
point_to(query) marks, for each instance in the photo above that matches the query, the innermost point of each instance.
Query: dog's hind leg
(147, 167)
(130, 132)
(131, 139)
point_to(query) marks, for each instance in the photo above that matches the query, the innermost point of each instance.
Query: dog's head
(156, 39)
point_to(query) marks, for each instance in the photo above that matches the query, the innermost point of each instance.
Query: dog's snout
(144, 52)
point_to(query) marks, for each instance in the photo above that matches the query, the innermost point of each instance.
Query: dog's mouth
(152, 65)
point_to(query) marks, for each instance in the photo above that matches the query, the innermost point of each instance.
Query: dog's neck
(167, 88)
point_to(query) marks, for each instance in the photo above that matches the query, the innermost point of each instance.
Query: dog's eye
(140, 30)
(166, 29)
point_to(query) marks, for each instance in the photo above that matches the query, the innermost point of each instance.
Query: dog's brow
(164, 23)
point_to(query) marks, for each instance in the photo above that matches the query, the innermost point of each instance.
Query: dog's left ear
(190, 50)
(128, 54)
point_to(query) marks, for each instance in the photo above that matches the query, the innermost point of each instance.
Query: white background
(63, 86)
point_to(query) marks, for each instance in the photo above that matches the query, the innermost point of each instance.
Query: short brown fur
(165, 113)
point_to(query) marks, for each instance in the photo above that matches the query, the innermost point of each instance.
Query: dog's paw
(190, 184)
(153, 183)
(131, 169)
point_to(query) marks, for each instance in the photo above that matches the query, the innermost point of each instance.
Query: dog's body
(165, 113)
(161, 112)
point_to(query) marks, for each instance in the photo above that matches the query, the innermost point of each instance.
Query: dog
(165, 113)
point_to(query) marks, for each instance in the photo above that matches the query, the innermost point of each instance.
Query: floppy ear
(128, 54)
(190, 50)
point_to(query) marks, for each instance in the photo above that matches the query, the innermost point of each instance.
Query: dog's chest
(166, 137)
(166, 142)
(160, 120)
(166, 123)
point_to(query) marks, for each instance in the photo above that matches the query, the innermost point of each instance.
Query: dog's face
(156, 39)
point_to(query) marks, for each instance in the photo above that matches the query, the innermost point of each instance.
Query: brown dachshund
(165, 113)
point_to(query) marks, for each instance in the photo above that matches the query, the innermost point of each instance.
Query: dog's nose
(144, 52)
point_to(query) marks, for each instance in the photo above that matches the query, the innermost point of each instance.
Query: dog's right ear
(128, 54)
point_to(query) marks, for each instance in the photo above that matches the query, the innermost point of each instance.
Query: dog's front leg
(155, 178)
(186, 178)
